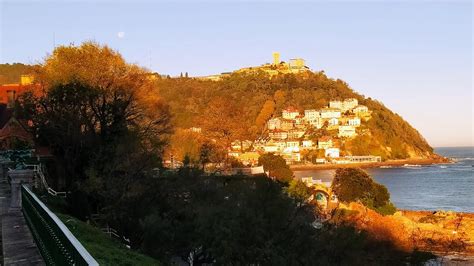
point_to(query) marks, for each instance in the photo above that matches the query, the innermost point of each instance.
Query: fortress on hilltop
(293, 66)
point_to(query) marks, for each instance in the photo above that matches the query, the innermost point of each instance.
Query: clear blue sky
(414, 56)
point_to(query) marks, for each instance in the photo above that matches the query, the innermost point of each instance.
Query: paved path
(18, 246)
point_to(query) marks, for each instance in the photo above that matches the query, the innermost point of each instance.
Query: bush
(354, 184)
(277, 167)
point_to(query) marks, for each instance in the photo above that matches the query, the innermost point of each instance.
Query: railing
(57, 244)
(38, 169)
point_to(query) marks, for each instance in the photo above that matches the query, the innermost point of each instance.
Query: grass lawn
(105, 250)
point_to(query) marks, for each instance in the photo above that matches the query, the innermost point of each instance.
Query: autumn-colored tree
(276, 166)
(104, 121)
(280, 99)
(222, 121)
(265, 114)
(185, 143)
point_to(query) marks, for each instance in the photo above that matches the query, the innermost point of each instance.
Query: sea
(447, 187)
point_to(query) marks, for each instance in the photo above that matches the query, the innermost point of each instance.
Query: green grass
(105, 250)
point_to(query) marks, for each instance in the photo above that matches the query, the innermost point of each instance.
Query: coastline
(424, 161)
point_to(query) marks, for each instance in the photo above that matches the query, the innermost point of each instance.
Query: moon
(121, 34)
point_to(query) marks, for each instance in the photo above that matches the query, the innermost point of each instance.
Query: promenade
(18, 246)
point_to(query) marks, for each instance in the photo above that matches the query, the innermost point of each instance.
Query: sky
(414, 56)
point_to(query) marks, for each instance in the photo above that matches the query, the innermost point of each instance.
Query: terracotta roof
(290, 109)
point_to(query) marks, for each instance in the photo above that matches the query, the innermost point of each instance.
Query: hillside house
(335, 104)
(13, 132)
(307, 144)
(300, 121)
(292, 144)
(347, 131)
(287, 124)
(330, 113)
(352, 121)
(360, 109)
(325, 142)
(311, 114)
(333, 121)
(274, 123)
(331, 152)
(345, 105)
(290, 113)
(295, 134)
(293, 157)
(349, 104)
(317, 122)
(278, 134)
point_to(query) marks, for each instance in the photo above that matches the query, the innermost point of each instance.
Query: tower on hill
(276, 58)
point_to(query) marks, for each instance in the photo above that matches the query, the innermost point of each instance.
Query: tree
(280, 99)
(276, 166)
(298, 190)
(222, 120)
(265, 114)
(354, 184)
(102, 118)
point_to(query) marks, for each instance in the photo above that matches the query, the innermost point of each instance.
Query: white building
(360, 109)
(335, 104)
(278, 134)
(345, 105)
(295, 134)
(311, 114)
(330, 113)
(353, 121)
(347, 131)
(325, 142)
(333, 122)
(349, 104)
(307, 143)
(274, 123)
(317, 122)
(290, 113)
(287, 124)
(293, 144)
(299, 121)
(331, 152)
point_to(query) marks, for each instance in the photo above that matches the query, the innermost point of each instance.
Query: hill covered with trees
(237, 108)
(10, 73)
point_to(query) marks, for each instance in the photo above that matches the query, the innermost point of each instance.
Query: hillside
(245, 93)
(385, 134)
(10, 73)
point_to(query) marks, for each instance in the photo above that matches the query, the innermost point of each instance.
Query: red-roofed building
(290, 113)
(12, 131)
(10, 92)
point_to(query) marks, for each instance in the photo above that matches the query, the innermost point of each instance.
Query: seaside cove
(424, 187)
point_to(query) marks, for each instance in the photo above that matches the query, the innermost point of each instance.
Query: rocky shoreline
(449, 235)
(388, 163)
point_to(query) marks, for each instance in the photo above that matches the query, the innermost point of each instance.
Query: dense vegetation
(10, 73)
(108, 129)
(253, 97)
(104, 249)
(355, 185)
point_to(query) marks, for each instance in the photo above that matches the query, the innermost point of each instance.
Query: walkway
(18, 246)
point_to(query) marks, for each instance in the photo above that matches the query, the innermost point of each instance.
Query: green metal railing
(57, 244)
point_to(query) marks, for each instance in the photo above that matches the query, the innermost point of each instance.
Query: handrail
(57, 244)
(37, 168)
